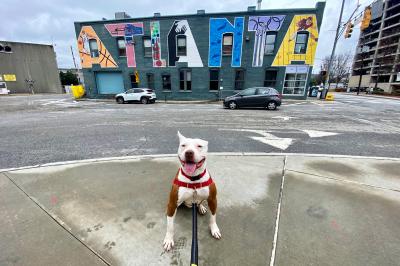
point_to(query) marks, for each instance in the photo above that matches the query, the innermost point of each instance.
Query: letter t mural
(218, 27)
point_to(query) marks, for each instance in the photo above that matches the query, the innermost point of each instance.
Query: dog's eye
(199, 146)
(183, 145)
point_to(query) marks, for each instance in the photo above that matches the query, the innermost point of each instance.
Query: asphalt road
(50, 128)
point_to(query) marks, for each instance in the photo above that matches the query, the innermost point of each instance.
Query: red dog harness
(193, 185)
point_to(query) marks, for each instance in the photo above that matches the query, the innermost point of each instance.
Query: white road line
(53, 102)
(317, 104)
(291, 104)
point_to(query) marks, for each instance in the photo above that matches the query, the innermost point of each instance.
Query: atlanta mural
(260, 26)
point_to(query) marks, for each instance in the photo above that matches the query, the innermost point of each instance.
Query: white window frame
(295, 80)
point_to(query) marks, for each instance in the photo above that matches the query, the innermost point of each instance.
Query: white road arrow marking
(267, 138)
(319, 134)
(285, 118)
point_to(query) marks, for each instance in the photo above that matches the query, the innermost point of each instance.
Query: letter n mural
(261, 25)
(127, 30)
(219, 27)
(156, 44)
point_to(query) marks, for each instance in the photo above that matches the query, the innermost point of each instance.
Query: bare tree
(340, 68)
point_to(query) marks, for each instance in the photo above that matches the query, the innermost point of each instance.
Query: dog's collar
(193, 185)
(194, 178)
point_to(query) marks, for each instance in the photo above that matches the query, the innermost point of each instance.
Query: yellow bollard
(329, 97)
(78, 91)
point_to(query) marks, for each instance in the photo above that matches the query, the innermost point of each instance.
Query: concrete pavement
(334, 210)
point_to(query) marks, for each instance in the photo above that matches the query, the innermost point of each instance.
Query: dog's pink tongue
(190, 168)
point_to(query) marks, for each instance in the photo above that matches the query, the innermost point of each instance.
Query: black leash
(194, 257)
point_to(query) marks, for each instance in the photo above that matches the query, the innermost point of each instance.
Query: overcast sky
(52, 21)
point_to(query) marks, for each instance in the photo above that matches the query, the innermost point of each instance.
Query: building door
(134, 81)
(109, 82)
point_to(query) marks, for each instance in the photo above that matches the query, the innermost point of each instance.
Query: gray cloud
(52, 22)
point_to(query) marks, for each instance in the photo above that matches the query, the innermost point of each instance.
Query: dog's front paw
(168, 243)
(215, 231)
(202, 209)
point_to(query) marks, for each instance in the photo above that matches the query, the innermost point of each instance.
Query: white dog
(192, 183)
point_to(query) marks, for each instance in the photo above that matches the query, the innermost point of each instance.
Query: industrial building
(377, 59)
(27, 67)
(202, 55)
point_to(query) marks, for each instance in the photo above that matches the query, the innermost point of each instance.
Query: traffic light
(349, 30)
(366, 19)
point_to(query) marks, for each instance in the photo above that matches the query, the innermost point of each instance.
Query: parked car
(142, 95)
(255, 97)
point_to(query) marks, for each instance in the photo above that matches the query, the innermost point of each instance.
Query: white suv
(142, 95)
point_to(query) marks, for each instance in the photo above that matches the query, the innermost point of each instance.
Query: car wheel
(232, 105)
(144, 100)
(271, 105)
(120, 100)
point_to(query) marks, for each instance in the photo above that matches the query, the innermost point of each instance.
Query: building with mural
(28, 67)
(203, 55)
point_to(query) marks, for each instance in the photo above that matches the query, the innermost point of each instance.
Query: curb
(153, 156)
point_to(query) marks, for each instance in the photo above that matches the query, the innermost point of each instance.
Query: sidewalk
(362, 94)
(333, 211)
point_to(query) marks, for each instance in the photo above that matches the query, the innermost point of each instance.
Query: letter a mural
(286, 53)
(100, 55)
(156, 44)
(192, 57)
(261, 25)
(219, 27)
(127, 30)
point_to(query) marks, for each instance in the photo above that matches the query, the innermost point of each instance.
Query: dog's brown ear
(181, 137)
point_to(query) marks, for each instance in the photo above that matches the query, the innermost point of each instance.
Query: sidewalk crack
(278, 214)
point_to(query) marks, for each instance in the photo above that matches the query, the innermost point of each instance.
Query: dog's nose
(189, 155)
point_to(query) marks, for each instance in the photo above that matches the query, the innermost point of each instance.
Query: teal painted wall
(199, 24)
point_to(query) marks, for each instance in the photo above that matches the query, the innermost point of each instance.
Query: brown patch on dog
(212, 199)
(173, 201)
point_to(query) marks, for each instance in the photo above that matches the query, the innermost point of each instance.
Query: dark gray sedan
(255, 97)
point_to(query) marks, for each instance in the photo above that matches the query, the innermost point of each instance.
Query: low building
(201, 56)
(27, 67)
(378, 52)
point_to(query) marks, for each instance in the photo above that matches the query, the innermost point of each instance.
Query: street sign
(10, 77)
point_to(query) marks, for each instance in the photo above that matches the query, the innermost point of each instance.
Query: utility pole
(76, 68)
(328, 72)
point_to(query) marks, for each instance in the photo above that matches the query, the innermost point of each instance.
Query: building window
(150, 80)
(166, 82)
(239, 79)
(214, 79)
(301, 43)
(270, 39)
(270, 78)
(181, 47)
(295, 81)
(94, 49)
(227, 44)
(147, 46)
(121, 46)
(134, 81)
(185, 80)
